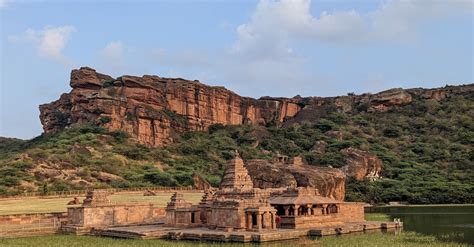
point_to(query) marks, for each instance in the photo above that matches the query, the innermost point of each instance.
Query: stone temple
(235, 212)
(238, 206)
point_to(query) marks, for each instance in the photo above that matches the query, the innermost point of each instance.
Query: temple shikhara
(236, 211)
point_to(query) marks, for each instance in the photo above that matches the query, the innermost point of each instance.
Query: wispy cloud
(111, 58)
(50, 41)
(3, 3)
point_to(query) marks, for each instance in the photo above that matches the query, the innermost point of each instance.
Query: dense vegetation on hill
(426, 148)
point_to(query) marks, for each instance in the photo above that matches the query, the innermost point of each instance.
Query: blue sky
(255, 48)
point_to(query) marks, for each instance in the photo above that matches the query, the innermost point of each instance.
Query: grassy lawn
(377, 217)
(39, 205)
(366, 240)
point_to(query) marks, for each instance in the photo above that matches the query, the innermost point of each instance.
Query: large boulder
(266, 174)
(385, 100)
(361, 164)
(86, 77)
(319, 147)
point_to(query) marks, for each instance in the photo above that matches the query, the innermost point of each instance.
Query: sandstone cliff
(154, 110)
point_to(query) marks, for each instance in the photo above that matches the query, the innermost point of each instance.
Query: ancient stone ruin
(97, 211)
(238, 206)
(237, 211)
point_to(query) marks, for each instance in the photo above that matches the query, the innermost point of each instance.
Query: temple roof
(236, 175)
(301, 196)
(302, 200)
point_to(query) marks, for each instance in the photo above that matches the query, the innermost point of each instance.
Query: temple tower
(236, 175)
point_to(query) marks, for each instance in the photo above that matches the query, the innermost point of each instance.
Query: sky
(254, 48)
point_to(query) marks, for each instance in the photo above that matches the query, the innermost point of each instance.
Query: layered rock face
(272, 174)
(154, 110)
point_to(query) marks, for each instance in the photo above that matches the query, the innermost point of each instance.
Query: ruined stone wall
(159, 213)
(22, 225)
(28, 219)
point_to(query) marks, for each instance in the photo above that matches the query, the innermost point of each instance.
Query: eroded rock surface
(362, 164)
(265, 174)
(155, 110)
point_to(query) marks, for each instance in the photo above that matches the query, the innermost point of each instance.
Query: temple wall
(116, 214)
(301, 222)
(352, 212)
(227, 218)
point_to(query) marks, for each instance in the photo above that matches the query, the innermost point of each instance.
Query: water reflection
(450, 223)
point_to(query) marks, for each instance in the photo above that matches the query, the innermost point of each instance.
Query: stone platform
(159, 231)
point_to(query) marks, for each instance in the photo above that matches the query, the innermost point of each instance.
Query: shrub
(325, 125)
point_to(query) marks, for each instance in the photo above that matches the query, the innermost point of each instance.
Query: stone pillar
(308, 209)
(296, 210)
(249, 220)
(274, 226)
(259, 221)
(286, 210)
(323, 208)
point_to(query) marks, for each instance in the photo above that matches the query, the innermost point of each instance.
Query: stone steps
(205, 234)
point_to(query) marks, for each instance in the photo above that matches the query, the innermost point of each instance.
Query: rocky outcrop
(319, 147)
(266, 174)
(361, 164)
(387, 99)
(155, 110)
(200, 183)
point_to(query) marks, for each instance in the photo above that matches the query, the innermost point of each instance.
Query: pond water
(455, 223)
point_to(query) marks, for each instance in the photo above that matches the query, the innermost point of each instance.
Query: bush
(391, 132)
(325, 125)
(159, 178)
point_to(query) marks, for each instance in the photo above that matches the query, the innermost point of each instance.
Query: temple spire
(236, 175)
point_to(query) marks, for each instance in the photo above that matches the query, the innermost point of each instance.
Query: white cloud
(266, 52)
(113, 51)
(401, 20)
(50, 41)
(274, 24)
(3, 3)
(111, 58)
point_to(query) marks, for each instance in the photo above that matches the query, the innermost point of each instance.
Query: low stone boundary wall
(19, 225)
(60, 194)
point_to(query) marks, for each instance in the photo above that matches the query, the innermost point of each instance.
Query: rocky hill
(398, 145)
(155, 110)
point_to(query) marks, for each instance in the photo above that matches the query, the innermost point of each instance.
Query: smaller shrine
(97, 211)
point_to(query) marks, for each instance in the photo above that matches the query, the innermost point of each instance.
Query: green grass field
(40, 205)
(408, 239)
(377, 217)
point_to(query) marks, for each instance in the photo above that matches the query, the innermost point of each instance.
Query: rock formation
(200, 183)
(155, 110)
(362, 164)
(273, 174)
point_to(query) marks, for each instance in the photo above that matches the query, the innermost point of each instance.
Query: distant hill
(412, 145)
